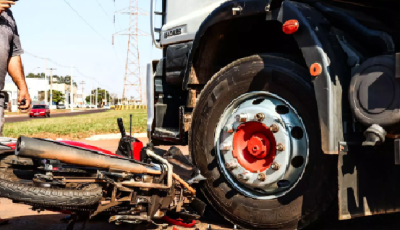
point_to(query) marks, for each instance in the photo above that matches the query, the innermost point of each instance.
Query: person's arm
(4, 5)
(16, 71)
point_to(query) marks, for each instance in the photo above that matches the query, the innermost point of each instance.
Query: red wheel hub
(254, 146)
(258, 146)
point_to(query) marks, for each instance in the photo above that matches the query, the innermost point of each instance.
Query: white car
(106, 107)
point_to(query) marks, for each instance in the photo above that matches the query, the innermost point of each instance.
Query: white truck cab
(271, 94)
(182, 19)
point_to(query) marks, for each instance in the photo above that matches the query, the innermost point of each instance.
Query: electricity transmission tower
(132, 79)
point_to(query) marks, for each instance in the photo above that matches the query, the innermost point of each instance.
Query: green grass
(77, 127)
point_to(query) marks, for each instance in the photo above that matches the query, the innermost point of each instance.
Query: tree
(56, 79)
(41, 96)
(100, 96)
(58, 96)
(32, 75)
(67, 80)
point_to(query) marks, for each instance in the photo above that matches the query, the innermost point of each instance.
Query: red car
(40, 111)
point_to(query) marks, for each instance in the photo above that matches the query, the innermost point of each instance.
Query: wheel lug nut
(225, 147)
(235, 126)
(280, 147)
(274, 128)
(231, 165)
(261, 177)
(243, 176)
(228, 129)
(259, 117)
(241, 117)
(275, 166)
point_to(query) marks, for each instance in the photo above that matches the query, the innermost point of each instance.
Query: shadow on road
(378, 222)
(53, 222)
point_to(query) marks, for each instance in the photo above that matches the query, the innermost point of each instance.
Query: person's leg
(2, 120)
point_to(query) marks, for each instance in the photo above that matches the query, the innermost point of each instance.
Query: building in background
(80, 99)
(36, 88)
(12, 91)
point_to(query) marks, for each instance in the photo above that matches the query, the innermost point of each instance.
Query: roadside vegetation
(77, 127)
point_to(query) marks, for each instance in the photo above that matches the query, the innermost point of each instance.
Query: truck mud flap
(369, 180)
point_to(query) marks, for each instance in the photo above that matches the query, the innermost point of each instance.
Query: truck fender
(313, 38)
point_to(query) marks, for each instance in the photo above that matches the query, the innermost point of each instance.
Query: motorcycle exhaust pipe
(47, 149)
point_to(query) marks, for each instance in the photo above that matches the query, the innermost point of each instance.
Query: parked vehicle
(61, 106)
(134, 186)
(285, 105)
(40, 111)
(106, 107)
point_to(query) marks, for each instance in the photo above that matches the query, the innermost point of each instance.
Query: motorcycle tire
(22, 192)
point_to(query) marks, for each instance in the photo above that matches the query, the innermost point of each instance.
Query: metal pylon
(132, 79)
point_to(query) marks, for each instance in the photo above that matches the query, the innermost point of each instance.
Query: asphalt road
(22, 217)
(13, 119)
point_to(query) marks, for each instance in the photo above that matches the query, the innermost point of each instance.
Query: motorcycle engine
(374, 92)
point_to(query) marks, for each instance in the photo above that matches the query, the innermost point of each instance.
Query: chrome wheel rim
(262, 145)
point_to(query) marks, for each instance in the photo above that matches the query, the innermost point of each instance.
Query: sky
(51, 29)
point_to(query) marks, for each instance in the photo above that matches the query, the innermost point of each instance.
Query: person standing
(11, 63)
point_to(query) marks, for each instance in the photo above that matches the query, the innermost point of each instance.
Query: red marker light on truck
(315, 69)
(290, 26)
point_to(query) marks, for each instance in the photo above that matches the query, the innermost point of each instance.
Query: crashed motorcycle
(136, 185)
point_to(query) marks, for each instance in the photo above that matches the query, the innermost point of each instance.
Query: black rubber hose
(49, 196)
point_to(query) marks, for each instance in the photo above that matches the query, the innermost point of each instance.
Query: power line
(119, 25)
(104, 11)
(76, 69)
(26, 52)
(50, 60)
(98, 3)
(85, 21)
(64, 66)
(59, 65)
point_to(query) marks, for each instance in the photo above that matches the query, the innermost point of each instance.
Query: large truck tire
(11, 188)
(235, 188)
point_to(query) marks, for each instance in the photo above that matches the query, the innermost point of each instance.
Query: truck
(290, 109)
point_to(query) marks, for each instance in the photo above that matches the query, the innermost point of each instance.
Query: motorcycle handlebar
(121, 127)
